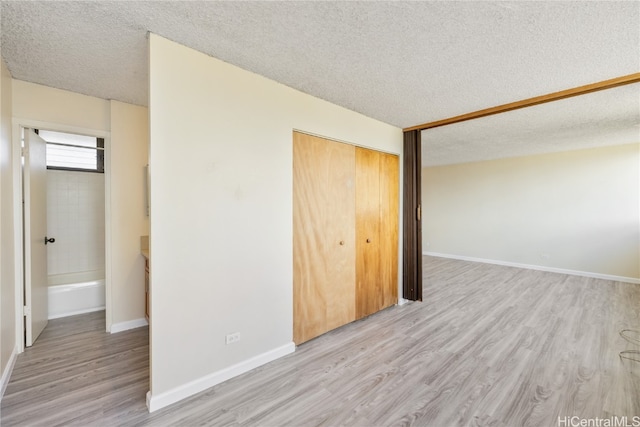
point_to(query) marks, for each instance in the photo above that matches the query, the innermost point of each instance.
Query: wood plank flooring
(75, 373)
(489, 345)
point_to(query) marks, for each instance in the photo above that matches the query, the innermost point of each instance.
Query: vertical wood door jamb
(412, 221)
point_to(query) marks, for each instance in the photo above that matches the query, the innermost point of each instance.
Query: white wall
(75, 218)
(576, 211)
(125, 136)
(7, 249)
(221, 213)
(128, 155)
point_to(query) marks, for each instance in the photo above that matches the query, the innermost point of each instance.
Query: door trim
(17, 125)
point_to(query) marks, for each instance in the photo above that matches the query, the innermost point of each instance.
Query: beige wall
(575, 210)
(36, 102)
(7, 249)
(127, 147)
(129, 154)
(221, 211)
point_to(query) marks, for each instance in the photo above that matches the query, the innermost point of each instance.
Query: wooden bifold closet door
(345, 234)
(323, 236)
(376, 231)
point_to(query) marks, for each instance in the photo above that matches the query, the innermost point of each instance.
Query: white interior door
(35, 235)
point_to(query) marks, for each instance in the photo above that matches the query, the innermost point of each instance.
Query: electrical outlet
(231, 338)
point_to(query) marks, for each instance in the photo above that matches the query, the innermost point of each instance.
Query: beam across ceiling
(542, 99)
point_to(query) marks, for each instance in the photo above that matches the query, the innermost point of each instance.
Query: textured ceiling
(605, 118)
(403, 63)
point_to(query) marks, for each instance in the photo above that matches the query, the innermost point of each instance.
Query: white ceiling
(403, 63)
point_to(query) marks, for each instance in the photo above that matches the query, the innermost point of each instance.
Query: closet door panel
(389, 212)
(340, 236)
(309, 263)
(368, 286)
(323, 217)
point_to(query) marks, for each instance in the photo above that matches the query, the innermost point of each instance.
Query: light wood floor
(490, 345)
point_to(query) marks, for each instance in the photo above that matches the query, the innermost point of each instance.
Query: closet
(345, 234)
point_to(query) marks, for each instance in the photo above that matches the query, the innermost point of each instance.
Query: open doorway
(64, 194)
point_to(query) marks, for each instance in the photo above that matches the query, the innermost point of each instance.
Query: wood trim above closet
(537, 100)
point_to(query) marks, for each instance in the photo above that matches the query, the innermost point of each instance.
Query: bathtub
(76, 298)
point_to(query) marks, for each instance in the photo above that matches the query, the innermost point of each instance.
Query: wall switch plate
(232, 338)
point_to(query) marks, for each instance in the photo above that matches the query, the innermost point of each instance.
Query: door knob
(368, 240)
(341, 242)
(49, 240)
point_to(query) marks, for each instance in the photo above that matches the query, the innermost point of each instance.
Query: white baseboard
(6, 374)
(537, 267)
(76, 298)
(130, 324)
(155, 402)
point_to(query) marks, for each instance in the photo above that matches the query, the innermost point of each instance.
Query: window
(67, 151)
